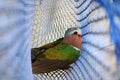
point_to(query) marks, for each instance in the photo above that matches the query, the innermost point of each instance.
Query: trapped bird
(59, 54)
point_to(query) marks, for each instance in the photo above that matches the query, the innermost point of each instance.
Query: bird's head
(73, 36)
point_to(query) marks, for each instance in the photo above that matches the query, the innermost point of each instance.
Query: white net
(51, 20)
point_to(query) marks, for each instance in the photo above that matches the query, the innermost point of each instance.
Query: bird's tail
(46, 66)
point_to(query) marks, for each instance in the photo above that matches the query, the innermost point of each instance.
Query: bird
(59, 54)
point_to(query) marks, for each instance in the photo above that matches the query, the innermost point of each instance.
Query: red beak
(80, 35)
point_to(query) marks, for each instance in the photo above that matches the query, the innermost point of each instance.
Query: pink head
(73, 36)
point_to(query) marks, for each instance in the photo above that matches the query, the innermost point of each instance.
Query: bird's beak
(80, 35)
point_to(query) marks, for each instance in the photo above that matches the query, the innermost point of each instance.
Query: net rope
(97, 60)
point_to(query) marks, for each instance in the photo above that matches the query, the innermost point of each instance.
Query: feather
(40, 50)
(46, 66)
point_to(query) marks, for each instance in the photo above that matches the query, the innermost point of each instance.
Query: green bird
(59, 54)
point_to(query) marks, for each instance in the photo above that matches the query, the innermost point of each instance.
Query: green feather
(60, 56)
(38, 52)
(62, 52)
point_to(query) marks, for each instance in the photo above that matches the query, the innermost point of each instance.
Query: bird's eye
(75, 32)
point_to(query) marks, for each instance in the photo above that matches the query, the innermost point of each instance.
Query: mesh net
(97, 60)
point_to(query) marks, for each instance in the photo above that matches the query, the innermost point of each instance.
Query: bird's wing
(58, 57)
(40, 50)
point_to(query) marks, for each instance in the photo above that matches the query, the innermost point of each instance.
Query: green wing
(62, 52)
(35, 52)
(58, 57)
